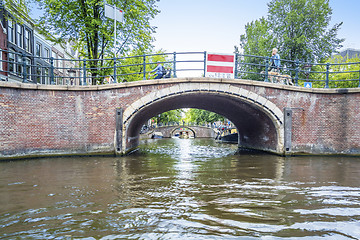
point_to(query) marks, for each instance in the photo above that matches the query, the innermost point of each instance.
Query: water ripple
(181, 189)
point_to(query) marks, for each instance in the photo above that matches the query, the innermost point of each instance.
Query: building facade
(3, 45)
(28, 56)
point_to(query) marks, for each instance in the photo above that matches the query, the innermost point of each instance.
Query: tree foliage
(18, 9)
(256, 42)
(84, 23)
(343, 72)
(169, 116)
(200, 116)
(133, 63)
(302, 29)
(298, 28)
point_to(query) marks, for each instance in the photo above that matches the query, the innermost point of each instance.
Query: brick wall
(49, 120)
(325, 121)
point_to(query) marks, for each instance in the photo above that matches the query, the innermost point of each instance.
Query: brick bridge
(47, 120)
(196, 131)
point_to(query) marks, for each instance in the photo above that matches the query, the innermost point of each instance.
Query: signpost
(114, 13)
(220, 65)
(117, 14)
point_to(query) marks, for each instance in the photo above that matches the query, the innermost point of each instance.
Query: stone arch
(190, 128)
(253, 105)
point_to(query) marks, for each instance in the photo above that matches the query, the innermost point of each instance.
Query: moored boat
(229, 135)
(157, 135)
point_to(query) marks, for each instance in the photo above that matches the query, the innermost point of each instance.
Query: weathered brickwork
(40, 120)
(49, 122)
(322, 122)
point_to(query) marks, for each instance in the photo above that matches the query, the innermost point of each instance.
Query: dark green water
(181, 189)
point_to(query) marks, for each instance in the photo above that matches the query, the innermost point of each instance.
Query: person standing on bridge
(159, 71)
(275, 61)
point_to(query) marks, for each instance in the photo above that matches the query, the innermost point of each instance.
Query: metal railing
(321, 74)
(41, 70)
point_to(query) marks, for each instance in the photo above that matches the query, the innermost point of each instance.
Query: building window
(54, 56)
(38, 50)
(19, 35)
(61, 63)
(27, 43)
(46, 75)
(28, 68)
(47, 54)
(19, 65)
(11, 62)
(38, 74)
(11, 35)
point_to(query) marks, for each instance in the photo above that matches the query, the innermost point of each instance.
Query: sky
(216, 25)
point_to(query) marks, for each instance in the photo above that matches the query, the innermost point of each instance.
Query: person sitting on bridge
(275, 61)
(159, 71)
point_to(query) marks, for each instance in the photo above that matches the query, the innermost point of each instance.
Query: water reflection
(181, 188)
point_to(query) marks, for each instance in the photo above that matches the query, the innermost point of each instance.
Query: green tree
(133, 63)
(343, 72)
(200, 116)
(84, 22)
(298, 28)
(302, 29)
(169, 116)
(18, 9)
(257, 41)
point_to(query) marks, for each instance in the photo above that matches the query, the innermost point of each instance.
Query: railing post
(327, 75)
(359, 79)
(174, 66)
(84, 72)
(144, 66)
(24, 73)
(297, 72)
(115, 77)
(52, 71)
(267, 69)
(236, 66)
(205, 64)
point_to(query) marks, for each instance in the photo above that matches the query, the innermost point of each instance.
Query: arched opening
(183, 132)
(258, 127)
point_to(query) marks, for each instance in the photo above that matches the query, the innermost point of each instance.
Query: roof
(350, 53)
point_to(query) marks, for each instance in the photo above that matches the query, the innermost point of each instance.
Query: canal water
(181, 189)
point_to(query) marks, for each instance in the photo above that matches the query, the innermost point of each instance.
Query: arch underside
(257, 127)
(177, 129)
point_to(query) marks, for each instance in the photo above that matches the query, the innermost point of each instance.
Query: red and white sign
(220, 65)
